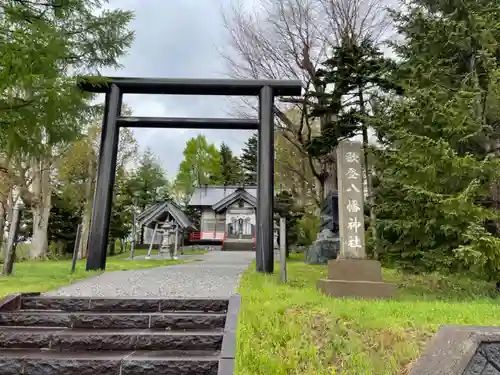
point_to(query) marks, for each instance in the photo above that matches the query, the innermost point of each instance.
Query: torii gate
(115, 87)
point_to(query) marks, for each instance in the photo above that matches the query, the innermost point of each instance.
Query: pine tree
(435, 170)
(356, 72)
(148, 182)
(248, 160)
(230, 168)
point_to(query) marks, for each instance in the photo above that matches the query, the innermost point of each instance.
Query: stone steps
(67, 335)
(33, 362)
(83, 340)
(109, 320)
(239, 245)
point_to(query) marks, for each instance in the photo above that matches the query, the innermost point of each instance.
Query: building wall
(212, 222)
(219, 223)
(246, 212)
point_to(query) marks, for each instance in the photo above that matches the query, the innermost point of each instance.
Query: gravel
(216, 276)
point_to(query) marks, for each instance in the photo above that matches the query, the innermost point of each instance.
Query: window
(241, 203)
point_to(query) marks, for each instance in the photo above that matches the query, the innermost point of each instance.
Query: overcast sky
(177, 38)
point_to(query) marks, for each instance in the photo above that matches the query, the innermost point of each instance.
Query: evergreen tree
(435, 170)
(230, 168)
(148, 183)
(248, 160)
(358, 72)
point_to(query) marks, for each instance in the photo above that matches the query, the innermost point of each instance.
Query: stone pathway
(216, 275)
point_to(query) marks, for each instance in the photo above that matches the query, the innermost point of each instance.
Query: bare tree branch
(289, 39)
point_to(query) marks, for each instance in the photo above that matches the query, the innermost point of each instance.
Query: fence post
(134, 235)
(77, 245)
(283, 248)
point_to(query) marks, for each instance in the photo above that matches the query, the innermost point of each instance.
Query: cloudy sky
(177, 38)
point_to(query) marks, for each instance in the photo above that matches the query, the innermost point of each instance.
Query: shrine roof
(212, 195)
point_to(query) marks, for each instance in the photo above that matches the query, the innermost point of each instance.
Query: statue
(327, 243)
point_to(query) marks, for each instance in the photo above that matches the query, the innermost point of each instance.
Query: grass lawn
(293, 329)
(42, 276)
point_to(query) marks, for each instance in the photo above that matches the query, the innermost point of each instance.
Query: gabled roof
(230, 199)
(157, 210)
(211, 195)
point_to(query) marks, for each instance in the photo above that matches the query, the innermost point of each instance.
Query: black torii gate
(115, 87)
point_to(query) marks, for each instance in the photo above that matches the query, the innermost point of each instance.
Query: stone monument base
(356, 278)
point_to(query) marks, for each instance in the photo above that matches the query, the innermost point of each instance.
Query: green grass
(293, 329)
(45, 275)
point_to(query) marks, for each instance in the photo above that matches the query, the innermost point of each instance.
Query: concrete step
(37, 362)
(241, 245)
(89, 340)
(107, 320)
(123, 336)
(123, 304)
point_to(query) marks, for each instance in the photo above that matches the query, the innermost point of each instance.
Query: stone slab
(355, 270)
(461, 350)
(357, 289)
(10, 302)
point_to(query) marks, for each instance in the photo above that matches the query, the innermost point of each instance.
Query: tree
(437, 166)
(286, 207)
(42, 107)
(148, 183)
(358, 73)
(77, 171)
(248, 160)
(289, 39)
(230, 167)
(63, 223)
(201, 166)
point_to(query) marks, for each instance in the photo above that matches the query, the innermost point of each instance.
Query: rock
(326, 247)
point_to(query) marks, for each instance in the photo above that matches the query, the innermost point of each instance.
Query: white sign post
(283, 248)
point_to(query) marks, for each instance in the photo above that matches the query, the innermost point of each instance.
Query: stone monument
(352, 274)
(327, 243)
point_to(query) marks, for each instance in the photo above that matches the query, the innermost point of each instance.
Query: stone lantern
(276, 231)
(169, 239)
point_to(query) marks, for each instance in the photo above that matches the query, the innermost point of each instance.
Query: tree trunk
(87, 212)
(2, 227)
(40, 207)
(84, 242)
(112, 247)
(3, 218)
(86, 219)
(10, 249)
(6, 218)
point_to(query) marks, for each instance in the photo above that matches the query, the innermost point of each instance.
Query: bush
(308, 227)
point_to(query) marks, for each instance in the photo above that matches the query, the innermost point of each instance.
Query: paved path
(217, 275)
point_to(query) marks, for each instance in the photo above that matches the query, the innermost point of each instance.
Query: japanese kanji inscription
(351, 213)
